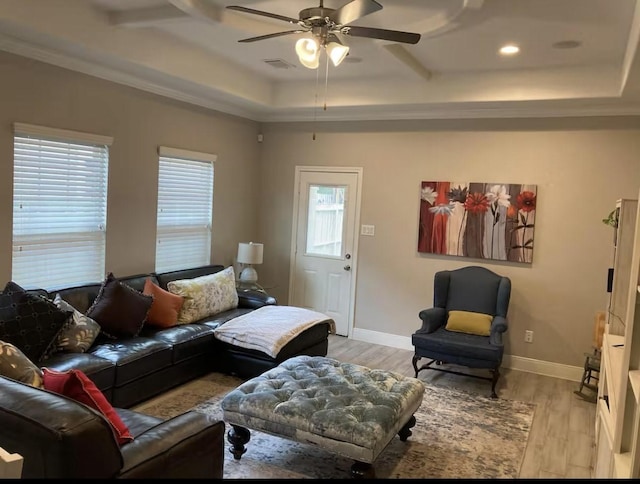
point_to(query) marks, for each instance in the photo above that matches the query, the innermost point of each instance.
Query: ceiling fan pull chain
(315, 105)
(326, 81)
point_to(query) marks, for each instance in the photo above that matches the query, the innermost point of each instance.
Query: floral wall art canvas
(481, 220)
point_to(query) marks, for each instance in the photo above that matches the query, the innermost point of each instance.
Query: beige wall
(37, 93)
(580, 167)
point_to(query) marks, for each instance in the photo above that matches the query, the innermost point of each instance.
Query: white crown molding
(256, 112)
(510, 109)
(529, 365)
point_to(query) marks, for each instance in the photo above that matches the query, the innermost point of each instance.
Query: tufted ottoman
(347, 409)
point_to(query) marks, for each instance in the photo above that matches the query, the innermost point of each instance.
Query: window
(59, 206)
(325, 225)
(185, 207)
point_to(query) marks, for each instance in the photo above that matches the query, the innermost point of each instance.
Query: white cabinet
(604, 455)
(618, 413)
(623, 237)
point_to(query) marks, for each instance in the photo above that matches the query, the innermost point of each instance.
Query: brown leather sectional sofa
(60, 438)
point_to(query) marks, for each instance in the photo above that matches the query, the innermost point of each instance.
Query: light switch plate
(368, 230)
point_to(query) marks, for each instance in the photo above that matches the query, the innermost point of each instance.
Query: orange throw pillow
(77, 386)
(165, 307)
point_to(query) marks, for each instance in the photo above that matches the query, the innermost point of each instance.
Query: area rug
(457, 435)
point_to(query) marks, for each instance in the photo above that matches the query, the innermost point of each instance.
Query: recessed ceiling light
(509, 49)
(566, 44)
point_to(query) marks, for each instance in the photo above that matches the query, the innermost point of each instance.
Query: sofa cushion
(470, 349)
(206, 295)
(102, 372)
(79, 387)
(135, 358)
(79, 331)
(166, 305)
(188, 340)
(119, 309)
(29, 321)
(14, 364)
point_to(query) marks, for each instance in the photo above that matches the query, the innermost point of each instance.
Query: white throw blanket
(270, 328)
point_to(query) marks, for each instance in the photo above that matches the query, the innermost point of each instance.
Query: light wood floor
(561, 442)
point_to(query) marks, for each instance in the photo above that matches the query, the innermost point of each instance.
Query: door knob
(347, 268)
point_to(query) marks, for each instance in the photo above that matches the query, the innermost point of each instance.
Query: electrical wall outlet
(528, 336)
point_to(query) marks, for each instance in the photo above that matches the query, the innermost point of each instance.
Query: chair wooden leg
(494, 380)
(414, 362)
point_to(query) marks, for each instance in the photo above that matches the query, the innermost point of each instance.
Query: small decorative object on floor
(589, 379)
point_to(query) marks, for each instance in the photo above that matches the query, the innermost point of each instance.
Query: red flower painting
(479, 220)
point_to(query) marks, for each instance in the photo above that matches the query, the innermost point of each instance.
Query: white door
(324, 242)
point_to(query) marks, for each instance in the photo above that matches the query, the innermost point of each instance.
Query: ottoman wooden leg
(237, 437)
(362, 470)
(405, 431)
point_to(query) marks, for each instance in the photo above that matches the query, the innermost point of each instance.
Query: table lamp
(249, 254)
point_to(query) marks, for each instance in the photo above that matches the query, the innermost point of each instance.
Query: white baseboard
(540, 367)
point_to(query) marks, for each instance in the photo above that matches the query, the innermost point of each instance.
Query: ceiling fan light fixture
(308, 50)
(337, 52)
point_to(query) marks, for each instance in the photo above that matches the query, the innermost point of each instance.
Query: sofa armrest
(254, 299)
(190, 445)
(58, 437)
(432, 319)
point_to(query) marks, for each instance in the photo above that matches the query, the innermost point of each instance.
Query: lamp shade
(250, 253)
(308, 51)
(337, 52)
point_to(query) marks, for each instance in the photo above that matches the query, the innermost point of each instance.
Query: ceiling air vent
(278, 63)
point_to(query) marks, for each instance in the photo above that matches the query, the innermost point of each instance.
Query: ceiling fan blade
(392, 35)
(291, 20)
(271, 36)
(354, 10)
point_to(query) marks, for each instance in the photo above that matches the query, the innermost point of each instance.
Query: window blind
(185, 208)
(59, 207)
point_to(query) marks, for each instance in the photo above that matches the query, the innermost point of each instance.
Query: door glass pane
(325, 220)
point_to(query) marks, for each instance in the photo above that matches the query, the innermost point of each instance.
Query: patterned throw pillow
(119, 309)
(14, 364)
(206, 295)
(29, 321)
(78, 333)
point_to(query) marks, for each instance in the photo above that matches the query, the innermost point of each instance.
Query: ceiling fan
(327, 27)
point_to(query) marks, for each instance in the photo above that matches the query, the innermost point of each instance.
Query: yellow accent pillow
(469, 322)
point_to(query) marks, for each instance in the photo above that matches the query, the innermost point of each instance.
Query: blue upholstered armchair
(478, 296)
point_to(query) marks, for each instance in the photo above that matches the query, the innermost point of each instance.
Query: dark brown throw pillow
(29, 321)
(120, 310)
